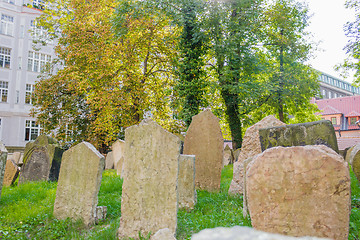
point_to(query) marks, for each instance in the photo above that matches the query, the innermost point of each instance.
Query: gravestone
(302, 134)
(243, 233)
(236, 154)
(149, 192)
(79, 184)
(354, 160)
(41, 161)
(250, 147)
(163, 234)
(299, 191)
(204, 140)
(186, 182)
(118, 156)
(3, 157)
(109, 161)
(11, 172)
(228, 157)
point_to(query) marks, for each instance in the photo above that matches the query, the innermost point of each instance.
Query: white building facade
(20, 65)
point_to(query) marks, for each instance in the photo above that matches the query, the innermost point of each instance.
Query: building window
(5, 57)
(38, 4)
(333, 120)
(39, 32)
(7, 25)
(329, 95)
(324, 93)
(335, 95)
(32, 130)
(9, 1)
(29, 93)
(4, 91)
(17, 96)
(353, 120)
(37, 61)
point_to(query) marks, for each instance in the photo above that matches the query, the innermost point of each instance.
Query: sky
(326, 24)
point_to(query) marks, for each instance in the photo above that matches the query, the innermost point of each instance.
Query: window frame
(5, 57)
(32, 130)
(6, 24)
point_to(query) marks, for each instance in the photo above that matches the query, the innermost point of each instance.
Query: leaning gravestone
(118, 156)
(312, 133)
(354, 160)
(79, 184)
(299, 191)
(250, 147)
(149, 192)
(11, 172)
(3, 157)
(204, 140)
(41, 161)
(186, 182)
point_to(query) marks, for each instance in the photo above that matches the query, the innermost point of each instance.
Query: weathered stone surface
(3, 157)
(118, 156)
(245, 207)
(109, 161)
(149, 192)
(250, 147)
(299, 191)
(163, 234)
(100, 214)
(243, 233)
(186, 182)
(79, 183)
(236, 154)
(11, 172)
(312, 133)
(42, 160)
(228, 156)
(16, 157)
(354, 160)
(204, 140)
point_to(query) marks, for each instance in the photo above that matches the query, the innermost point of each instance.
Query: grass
(26, 211)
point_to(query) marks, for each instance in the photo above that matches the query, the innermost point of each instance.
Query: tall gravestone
(149, 192)
(3, 157)
(79, 184)
(204, 140)
(186, 182)
(228, 156)
(302, 134)
(250, 147)
(11, 172)
(109, 161)
(299, 191)
(41, 161)
(118, 156)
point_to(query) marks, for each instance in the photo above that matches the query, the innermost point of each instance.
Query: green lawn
(26, 211)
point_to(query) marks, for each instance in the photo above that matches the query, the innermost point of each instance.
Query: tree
(353, 47)
(107, 82)
(287, 48)
(234, 32)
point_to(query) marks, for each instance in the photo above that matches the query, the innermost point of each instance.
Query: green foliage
(353, 47)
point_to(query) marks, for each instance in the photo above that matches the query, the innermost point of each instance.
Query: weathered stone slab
(228, 156)
(3, 157)
(312, 133)
(42, 160)
(186, 182)
(109, 161)
(79, 184)
(243, 233)
(250, 147)
(236, 154)
(204, 140)
(118, 156)
(149, 192)
(354, 160)
(11, 172)
(299, 191)
(16, 157)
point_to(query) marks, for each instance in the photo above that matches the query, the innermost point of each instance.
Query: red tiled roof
(347, 142)
(329, 110)
(344, 105)
(352, 114)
